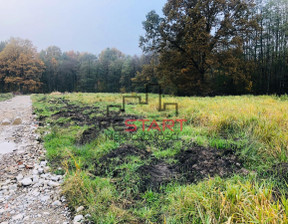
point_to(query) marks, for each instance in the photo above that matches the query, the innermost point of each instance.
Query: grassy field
(5, 96)
(227, 165)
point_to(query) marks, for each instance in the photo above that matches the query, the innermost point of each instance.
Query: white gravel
(29, 192)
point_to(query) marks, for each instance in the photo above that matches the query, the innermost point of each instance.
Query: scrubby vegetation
(227, 165)
(5, 96)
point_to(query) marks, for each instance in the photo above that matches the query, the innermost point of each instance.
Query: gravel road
(29, 192)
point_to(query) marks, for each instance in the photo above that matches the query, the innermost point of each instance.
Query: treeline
(216, 47)
(198, 47)
(268, 48)
(23, 69)
(110, 71)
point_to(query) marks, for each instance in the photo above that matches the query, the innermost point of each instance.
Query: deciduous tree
(20, 66)
(192, 38)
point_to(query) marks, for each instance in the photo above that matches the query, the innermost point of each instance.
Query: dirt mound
(279, 171)
(88, 135)
(109, 162)
(193, 165)
(153, 176)
(96, 119)
(199, 162)
(76, 114)
(102, 123)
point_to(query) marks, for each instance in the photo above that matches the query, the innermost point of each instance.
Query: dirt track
(18, 106)
(12, 136)
(29, 192)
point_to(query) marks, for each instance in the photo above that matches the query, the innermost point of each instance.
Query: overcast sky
(80, 25)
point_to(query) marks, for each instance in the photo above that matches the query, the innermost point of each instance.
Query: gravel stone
(26, 182)
(56, 203)
(78, 218)
(79, 209)
(19, 177)
(53, 184)
(19, 216)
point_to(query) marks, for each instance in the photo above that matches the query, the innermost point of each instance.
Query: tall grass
(235, 200)
(5, 96)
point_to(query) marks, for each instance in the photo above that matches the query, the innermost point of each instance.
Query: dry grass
(231, 201)
(5, 96)
(263, 118)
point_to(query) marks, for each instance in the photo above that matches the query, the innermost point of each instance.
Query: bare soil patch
(199, 162)
(119, 156)
(81, 115)
(193, 165)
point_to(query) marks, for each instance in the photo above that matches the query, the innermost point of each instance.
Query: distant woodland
(207, 47)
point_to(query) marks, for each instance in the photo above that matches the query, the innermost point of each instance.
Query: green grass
(5, 96)
(235, 200)
(255, 127)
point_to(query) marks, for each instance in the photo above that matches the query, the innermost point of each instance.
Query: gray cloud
(80, 25)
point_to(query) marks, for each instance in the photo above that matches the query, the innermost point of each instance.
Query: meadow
(227, 165)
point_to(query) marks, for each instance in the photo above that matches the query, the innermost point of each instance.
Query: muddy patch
(100, 124)
(279, 171)
(109, 162)
(191, 166)
(67, 114)
(149, 176)
(88, 135)
(78, 115)
(199, 162)
(152, 176)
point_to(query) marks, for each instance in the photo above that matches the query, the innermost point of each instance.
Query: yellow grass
(263, 118)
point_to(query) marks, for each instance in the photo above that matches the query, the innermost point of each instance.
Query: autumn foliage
(20, 66)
